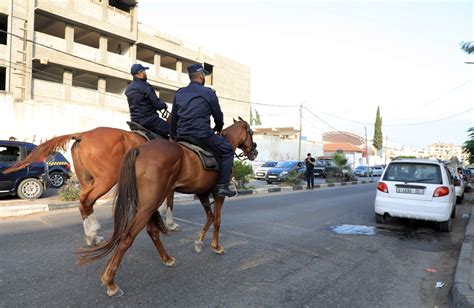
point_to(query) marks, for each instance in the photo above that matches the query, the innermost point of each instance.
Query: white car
(416, 189)
(261, 172)
(459, 187)
(377, 170)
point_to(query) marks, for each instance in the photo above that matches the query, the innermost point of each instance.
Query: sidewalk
(16, 207)
(463, 288)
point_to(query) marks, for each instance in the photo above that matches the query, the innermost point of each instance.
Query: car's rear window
(285, 164)
(413, 173)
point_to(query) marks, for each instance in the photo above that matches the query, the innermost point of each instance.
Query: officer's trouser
(221, 147)
(159, 127)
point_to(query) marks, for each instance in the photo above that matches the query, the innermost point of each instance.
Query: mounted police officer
(191, 116)
(143, 102)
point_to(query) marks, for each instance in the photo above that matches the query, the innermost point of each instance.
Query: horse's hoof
(89, 241)
(171, 262)
(173, 227)
(198, 246)
(115, 293)
(98, 240)
(219, 250)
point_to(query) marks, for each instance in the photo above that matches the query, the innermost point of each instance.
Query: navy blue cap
(196, 68)
(137, 68)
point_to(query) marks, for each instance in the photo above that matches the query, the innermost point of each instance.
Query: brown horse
(144, 182)
(96, 155)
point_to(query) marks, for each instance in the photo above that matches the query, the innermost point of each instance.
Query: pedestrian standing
(309, 174)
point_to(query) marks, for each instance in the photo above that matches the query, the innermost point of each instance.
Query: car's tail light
(381, 186)
(457, 182)
(68, 167)
(441, 191)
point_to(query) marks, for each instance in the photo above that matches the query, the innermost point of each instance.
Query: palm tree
(468, 47)
(340, 160)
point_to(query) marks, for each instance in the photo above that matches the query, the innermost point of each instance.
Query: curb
(40, 207)
(463, 285)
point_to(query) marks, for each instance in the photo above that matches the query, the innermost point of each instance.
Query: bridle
(165, 114)
(252, 153)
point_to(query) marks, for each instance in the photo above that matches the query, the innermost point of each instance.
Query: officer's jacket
(143, 102)
(192, 110)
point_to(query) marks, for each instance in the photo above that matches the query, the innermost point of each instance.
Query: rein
(242, 156)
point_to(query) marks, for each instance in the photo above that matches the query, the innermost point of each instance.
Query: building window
(210, 69)
(3, 27)
(3, 78)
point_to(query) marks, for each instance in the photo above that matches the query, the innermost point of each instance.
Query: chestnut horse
(145, 180)
(96, 155)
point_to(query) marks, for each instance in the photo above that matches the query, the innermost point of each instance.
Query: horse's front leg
(204, 198)
(219, 202)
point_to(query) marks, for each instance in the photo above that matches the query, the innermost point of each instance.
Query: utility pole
(366, 148)
(385, 149)
(301, 127)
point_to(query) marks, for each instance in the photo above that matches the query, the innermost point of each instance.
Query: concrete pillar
(103, 41)
(179, 69)
(134, 20)
(133, 53)
(101, 86)
(157, 62)
(69, 37)
(67, 82)
(29, 48)
(105, 11)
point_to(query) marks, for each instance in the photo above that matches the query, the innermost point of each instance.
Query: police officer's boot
(223, 190)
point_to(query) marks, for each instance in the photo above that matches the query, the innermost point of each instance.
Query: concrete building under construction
(66, 62)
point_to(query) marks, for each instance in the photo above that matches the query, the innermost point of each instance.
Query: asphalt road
(280, 252)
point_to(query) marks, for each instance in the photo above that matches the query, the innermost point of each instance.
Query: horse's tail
(42, 151)
(125, 208)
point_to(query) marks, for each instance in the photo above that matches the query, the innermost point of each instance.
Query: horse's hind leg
(89, 196)
(153, 230)
(138, 223)
(204, 198)
(170, 224)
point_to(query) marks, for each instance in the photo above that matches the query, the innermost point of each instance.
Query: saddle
(142, 131)
(208, 159)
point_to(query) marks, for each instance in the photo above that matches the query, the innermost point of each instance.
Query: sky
(341, 59)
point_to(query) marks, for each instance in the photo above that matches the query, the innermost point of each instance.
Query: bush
(242, 173)
(71, 191)
(293, 178)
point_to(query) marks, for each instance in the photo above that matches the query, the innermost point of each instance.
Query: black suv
(59, 169)
(27, 183)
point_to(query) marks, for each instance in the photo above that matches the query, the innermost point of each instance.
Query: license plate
(272, 176)
(260, 173)
(412, 191)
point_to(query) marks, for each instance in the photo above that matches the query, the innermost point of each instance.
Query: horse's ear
(234, 120)
(241, 119)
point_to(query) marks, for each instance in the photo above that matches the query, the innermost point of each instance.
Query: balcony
(49, 40)
(86, 52)
(151, 71)
(87, 8)
(84, 95)
(116, 100)
(119, 18)
(43, 90)
(116, 60)
(169, 74)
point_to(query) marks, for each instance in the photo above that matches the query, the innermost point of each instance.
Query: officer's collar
(195, 82)
(137, 79)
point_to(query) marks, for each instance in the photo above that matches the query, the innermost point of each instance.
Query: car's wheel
(30, 189)
(379, 218)
(269, 182)
(57, 179)
(458, 200)
(453, 213)
(445, 226)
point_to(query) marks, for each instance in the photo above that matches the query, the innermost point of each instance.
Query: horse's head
(245, 140)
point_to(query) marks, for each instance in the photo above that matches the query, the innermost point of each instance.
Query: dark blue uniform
(143, 104)
(191, 116)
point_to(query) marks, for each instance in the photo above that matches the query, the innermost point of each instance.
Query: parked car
(416, 189)
(460, 187)
(377, 170)
(363, 171)
(324, 166)
(27, 183)
(59, 169)
(281, 170)
(261, 172)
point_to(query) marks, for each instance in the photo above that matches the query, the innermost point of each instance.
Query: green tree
(241, 173)
(468, 47)
(468, 146)
(378, 138)
(257, 120)
(252, 121)
(340, 160)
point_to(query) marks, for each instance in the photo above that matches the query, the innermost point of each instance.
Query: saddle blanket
(208, 160)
